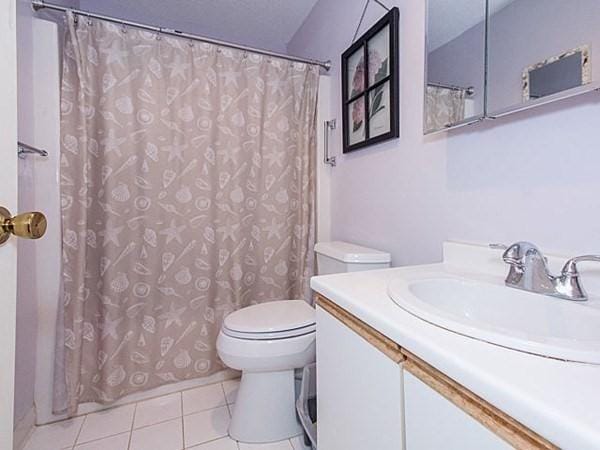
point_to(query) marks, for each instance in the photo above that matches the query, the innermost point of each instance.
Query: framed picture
(370, 86)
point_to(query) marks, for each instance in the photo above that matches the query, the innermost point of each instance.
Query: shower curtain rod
(470, 91)
(41, 4)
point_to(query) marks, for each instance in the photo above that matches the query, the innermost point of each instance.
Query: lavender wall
(530, 176)
(184, 16)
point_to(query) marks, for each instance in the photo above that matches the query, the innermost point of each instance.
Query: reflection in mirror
(557, 74)
(455, 88)
(538, 49)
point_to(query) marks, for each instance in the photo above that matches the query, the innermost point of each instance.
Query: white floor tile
(157, 410)
(231, 388)
(60, 434)
(283, 445)
(203, 398)
(118, 442)
(298, 443)
(162, 436)
(220, 444)
(205, 426)
(106, 423)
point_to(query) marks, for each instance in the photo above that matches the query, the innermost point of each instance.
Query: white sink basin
(503, 316)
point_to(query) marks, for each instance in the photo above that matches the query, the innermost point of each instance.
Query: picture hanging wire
(362, 16)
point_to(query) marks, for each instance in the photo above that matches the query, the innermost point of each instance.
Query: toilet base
(265, 408)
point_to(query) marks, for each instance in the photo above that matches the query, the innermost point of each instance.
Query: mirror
(455, 63)
(539, 51)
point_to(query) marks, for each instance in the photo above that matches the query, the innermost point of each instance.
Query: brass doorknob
(31, 225)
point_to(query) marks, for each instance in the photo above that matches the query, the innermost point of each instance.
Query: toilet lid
(271, 317)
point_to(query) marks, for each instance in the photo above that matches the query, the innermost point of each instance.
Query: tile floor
(194, 419)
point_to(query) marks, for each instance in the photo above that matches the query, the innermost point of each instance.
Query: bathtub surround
(187, 185)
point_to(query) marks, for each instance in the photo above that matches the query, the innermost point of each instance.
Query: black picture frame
(391, 19)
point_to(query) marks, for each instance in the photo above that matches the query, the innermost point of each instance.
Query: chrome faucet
(529, 272)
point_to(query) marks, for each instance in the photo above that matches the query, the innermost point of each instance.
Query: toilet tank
(338, 257)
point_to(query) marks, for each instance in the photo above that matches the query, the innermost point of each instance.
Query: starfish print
(173, 232)
(114, 53)
(111, 142)
(275, 157)
(111, 234)
(172, 316)
(228, 230)
(276, 86)
(175, 152)
(109, 327)
(273, 229)
(230, 76)
(178, 67)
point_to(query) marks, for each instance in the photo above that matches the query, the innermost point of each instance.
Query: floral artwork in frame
(370, 85)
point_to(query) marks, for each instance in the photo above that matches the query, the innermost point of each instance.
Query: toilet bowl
(267, 342)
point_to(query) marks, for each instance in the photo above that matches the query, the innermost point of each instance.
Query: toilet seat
(274, 335)
(272, 320)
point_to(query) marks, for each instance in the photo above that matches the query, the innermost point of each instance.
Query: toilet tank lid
(351, 253)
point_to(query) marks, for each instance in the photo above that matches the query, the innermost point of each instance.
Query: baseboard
(23, 429)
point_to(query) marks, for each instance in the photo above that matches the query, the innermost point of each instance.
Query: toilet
(269, 341)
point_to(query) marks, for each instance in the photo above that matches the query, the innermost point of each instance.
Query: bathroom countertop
(558, 400)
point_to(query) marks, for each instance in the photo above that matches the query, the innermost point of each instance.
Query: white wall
(39, 261)
(531, 176)
(323, 196)
(26, 303)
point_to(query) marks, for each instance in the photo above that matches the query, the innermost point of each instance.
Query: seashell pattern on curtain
(187, 191)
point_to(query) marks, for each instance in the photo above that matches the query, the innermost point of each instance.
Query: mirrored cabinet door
(455, 63)
(540, 51)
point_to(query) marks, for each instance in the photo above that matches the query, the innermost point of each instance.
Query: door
(8, 199)
(359, 405)
(433, 422)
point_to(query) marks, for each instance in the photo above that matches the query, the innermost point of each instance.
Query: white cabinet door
(359, 391)
(434, 423)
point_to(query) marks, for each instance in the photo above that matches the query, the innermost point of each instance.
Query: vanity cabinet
(359, 388)
(433, 422)
(373, 394)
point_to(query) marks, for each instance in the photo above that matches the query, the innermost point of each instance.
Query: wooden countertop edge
(374, 337)
(513, 432)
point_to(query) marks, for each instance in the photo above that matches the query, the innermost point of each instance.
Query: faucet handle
(570, 267)
(568, 284)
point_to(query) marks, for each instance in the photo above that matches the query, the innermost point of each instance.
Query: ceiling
(449, 19)
(267, 24)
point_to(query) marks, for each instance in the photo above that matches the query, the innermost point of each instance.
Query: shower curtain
(444, 107)
(187, 191)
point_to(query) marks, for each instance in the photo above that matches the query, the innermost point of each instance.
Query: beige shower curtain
(188, 191)
(444, 107)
